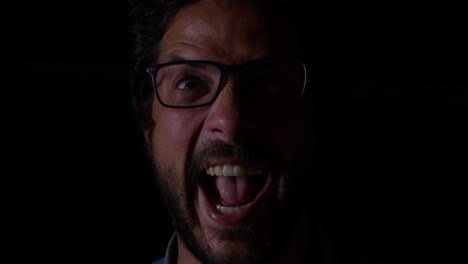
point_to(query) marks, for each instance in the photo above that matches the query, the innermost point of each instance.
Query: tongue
(235, 191)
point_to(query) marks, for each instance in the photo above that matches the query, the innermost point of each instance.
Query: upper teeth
(232, 170)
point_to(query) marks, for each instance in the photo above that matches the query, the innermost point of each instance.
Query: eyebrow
(176, 57)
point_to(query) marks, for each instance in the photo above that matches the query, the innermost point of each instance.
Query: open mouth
(232, 191)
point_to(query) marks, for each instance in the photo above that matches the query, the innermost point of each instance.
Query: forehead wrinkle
(215, 39)
(232, 37)
(187, 50)
(197, 34)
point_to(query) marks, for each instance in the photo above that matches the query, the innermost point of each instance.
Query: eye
(189, 83)
(272, 84)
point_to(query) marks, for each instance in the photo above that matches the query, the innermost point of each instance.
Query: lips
(230, 193)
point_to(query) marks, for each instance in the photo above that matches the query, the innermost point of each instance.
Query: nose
(227, 119)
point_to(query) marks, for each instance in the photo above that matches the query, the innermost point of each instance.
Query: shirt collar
(171, 251)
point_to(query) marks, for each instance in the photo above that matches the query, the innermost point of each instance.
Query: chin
(235, 251)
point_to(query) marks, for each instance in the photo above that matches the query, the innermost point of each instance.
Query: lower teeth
(229, 210)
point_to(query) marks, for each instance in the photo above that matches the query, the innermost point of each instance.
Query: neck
(183, 254)
(299, 249)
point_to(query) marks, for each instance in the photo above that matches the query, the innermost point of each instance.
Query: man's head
(230, 153)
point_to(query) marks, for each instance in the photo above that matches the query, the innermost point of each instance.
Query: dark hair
(150, 19)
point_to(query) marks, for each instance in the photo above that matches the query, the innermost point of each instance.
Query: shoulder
(160, 261)
(171, 252)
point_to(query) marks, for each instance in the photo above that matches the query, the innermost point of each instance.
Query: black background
(392, 89)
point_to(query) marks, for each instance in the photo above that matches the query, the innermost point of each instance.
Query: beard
(263, 240)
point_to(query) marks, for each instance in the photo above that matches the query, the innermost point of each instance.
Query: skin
(232, 33)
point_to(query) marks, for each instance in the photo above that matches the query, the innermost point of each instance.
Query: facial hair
(179, 194)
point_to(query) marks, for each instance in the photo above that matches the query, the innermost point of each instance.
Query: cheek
(295, 136)
(174, 133)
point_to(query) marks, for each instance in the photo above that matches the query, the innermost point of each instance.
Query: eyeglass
(195, 83)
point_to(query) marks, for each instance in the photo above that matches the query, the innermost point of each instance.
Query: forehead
(228, 31)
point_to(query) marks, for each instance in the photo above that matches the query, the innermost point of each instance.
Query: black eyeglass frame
(224, 70)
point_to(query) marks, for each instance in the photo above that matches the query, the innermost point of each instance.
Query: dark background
(391, 85)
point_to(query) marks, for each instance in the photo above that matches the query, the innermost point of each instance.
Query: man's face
(222, 218)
